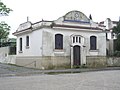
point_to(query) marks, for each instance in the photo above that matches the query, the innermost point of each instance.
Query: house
(109, 34)
(71, 40)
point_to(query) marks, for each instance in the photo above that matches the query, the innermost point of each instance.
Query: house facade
(71, 40)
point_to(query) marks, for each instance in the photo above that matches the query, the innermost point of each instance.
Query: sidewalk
(79, 70)
(64, 71)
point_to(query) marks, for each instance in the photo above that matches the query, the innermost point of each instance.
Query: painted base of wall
(113, 61)
(59, 62)
(102, 61)
(96, 61)
(45, 62)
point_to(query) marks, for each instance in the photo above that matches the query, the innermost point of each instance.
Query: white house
(109, 34)
(71, 40)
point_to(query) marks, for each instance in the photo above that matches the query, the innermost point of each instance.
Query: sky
(37, 10)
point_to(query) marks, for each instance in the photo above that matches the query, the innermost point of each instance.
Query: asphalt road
(20, 78)
(98, 80)
(12, 70)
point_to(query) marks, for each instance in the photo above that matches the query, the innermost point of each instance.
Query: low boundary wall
(102, 61)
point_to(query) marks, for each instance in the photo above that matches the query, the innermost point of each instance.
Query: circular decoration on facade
(77, 15)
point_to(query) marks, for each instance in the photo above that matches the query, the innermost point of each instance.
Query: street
(98, 80)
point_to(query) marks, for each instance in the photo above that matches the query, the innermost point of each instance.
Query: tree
(3, 9)
(116, 30)
(4, 30)
(4, 27)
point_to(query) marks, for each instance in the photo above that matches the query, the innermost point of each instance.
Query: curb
(55, 72)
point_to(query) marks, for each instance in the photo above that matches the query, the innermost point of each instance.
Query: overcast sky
(53, 9)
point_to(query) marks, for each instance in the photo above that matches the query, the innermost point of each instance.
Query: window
(76, 39)
(27, 40)
(58, 41)
(20, 44)
(79, 40)
(93, 40)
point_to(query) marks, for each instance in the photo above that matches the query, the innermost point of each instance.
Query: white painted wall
(35, 44)
(49, 41)
(4, 52)
(5, 57)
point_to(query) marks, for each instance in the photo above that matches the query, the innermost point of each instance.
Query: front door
(76, 55)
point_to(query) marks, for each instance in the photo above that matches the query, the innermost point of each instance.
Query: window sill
(94, 52)
(20, 51)
(27, 47)
(97, 50)
(59, 50)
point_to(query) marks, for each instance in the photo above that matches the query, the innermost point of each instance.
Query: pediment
(24, 26)
(76, 16)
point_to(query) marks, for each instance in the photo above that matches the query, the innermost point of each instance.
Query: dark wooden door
(76, 55)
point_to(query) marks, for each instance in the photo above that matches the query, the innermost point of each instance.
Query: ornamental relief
(76, 16)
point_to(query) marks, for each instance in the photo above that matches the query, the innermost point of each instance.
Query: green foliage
(117, 44)
(117, 53)
(4, 27)
(4, 30)
(116, 30)
(4, 9)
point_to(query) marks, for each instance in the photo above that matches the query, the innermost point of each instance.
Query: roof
(102, 22)
(73, 19)
(41, 21)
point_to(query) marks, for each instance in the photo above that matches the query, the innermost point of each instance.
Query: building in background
(8, 51)
(110, 36)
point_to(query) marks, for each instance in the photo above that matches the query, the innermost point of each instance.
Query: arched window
(27, 40)
(93, 44)
(20, 44)
(58, 41)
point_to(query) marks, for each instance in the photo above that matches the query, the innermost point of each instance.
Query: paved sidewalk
(12, 70)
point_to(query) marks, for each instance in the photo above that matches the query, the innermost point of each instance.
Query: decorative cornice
(22, 31)
(77, 27)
